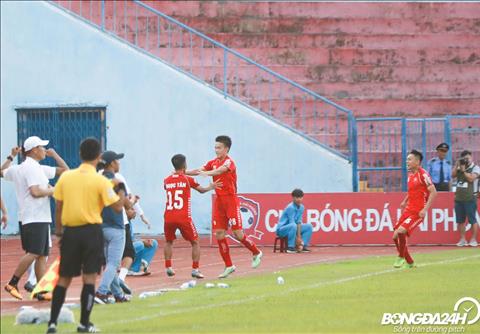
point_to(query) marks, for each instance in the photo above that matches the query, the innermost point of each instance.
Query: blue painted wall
(50, 58)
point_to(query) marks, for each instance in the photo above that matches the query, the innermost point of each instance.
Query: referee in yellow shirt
(81, 194)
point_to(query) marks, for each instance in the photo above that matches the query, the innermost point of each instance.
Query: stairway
(278, 97)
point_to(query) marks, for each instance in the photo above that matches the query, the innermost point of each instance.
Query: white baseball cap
(32, 142)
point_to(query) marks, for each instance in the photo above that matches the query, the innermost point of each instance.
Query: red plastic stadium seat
(283, 244)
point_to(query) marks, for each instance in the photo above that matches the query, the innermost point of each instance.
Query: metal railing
(383, 144)
(231, 73)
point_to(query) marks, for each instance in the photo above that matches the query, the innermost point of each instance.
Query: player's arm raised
(10, 158)
(62, 165)
(211, 186)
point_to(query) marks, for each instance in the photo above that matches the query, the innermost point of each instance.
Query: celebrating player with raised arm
(226, 209)
(421, 193)
(178, 213)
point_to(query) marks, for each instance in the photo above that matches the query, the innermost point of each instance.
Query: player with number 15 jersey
(178, 213)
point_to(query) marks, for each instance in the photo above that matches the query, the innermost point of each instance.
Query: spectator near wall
(466, 196)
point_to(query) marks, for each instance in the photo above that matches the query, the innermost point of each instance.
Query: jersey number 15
(174, 201)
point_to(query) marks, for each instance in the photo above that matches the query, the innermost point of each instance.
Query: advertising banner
(348, 218)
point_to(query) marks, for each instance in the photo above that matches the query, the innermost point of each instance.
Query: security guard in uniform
(440, 169)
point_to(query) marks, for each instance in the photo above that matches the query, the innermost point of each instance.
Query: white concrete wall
(50, 58)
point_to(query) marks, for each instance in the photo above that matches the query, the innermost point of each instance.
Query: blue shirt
(433, 169)
(111, 218)
(291, 215)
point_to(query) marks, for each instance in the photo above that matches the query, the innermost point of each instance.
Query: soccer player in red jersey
(421, 193)
(178, 213)
(226, 209)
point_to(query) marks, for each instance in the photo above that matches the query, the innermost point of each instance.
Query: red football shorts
(226, 213)
(409, 221)
(188, 231)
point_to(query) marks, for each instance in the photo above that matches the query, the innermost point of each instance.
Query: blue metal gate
(383, 144)
(65, 127)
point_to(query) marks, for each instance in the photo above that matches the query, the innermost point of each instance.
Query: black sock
(86, 299)
(14, 280)
(58, 299)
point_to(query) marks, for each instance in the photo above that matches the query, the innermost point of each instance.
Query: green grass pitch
(342, 297)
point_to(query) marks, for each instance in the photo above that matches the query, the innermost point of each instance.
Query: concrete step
(378, 107)
(334, 41)
(398, 74)
(251, 25)
(396, 90)
(311, 56)
(280, 39)
(354, 56)
(366, 26)
(371, 10)
(412, 108)
(301, 41)
(369, 90)
(435, 55)
(323, 75)
(322, 57)
(315, 9)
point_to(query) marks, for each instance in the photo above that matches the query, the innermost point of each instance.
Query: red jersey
(418, 193)
(228, 179)
(178, 208)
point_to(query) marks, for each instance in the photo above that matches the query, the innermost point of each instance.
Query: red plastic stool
(283, 244)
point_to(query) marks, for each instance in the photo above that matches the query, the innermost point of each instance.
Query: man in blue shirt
(440, 169)
(290, 224)
(113, 235)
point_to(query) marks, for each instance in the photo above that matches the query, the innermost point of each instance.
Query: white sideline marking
(311, 286)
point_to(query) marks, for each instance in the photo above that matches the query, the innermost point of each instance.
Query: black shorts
(35, 238)
(81, 250)
(129, 250)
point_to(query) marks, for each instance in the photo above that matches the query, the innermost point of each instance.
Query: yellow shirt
(84, 194)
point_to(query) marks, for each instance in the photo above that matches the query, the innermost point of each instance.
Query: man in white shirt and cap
(33, 190)
(32, 279)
